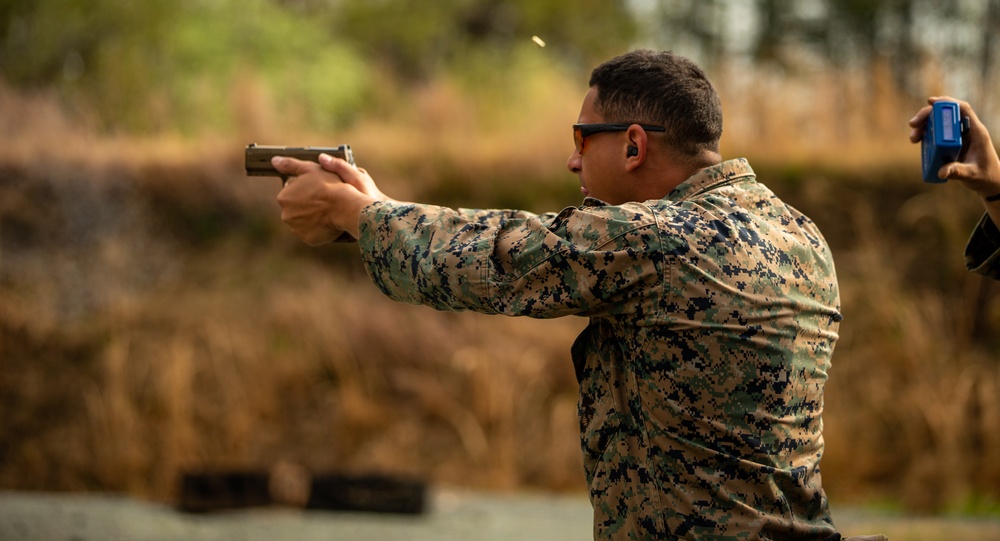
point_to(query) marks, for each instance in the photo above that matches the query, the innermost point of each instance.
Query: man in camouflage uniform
(713, 305)
(979, 171)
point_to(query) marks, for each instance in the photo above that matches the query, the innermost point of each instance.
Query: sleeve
(982, 254)
(495, 217)
(577, 262)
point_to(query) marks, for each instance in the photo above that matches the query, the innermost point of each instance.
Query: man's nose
(573, 163)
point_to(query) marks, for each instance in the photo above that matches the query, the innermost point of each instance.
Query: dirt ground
(453, 514)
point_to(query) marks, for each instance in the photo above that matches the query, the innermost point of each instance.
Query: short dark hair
(659, 87)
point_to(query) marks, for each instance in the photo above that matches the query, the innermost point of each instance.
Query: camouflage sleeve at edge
(982, 254)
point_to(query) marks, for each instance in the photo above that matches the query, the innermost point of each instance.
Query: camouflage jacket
(982, 254)
(713, 316)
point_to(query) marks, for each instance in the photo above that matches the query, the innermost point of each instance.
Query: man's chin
(584, 191)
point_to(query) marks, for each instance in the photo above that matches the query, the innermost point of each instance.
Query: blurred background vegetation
(156, 317)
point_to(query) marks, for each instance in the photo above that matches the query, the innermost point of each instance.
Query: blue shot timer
(942, 141)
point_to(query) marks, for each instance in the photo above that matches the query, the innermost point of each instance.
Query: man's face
(600, 160)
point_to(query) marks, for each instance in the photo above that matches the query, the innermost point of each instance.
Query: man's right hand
(320, 202)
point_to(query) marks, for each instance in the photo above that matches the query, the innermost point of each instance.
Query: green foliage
(160, 65)
(306, 70)
(976, 504)
(46, 41)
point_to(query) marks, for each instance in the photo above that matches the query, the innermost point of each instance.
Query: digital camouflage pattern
(982, 254)
(713, 316)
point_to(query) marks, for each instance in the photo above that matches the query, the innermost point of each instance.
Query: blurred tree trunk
(991, 25)
(709, 16)
(768, 48)
(906, 59)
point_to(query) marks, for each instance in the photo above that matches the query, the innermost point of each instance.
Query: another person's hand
(979, 168)
(320, 202)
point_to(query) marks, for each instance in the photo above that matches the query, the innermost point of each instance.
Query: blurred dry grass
(156, 316)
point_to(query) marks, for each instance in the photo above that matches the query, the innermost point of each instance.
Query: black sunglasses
(583, 131)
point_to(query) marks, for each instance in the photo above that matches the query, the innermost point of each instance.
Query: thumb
(348, 173)
(957, 171)
(333, 164)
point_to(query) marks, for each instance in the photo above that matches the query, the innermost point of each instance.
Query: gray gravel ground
(453, 515)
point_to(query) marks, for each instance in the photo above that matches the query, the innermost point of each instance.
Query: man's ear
(635, 152)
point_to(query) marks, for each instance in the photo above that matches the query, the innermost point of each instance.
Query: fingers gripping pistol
(258, 163)
(258, 158)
